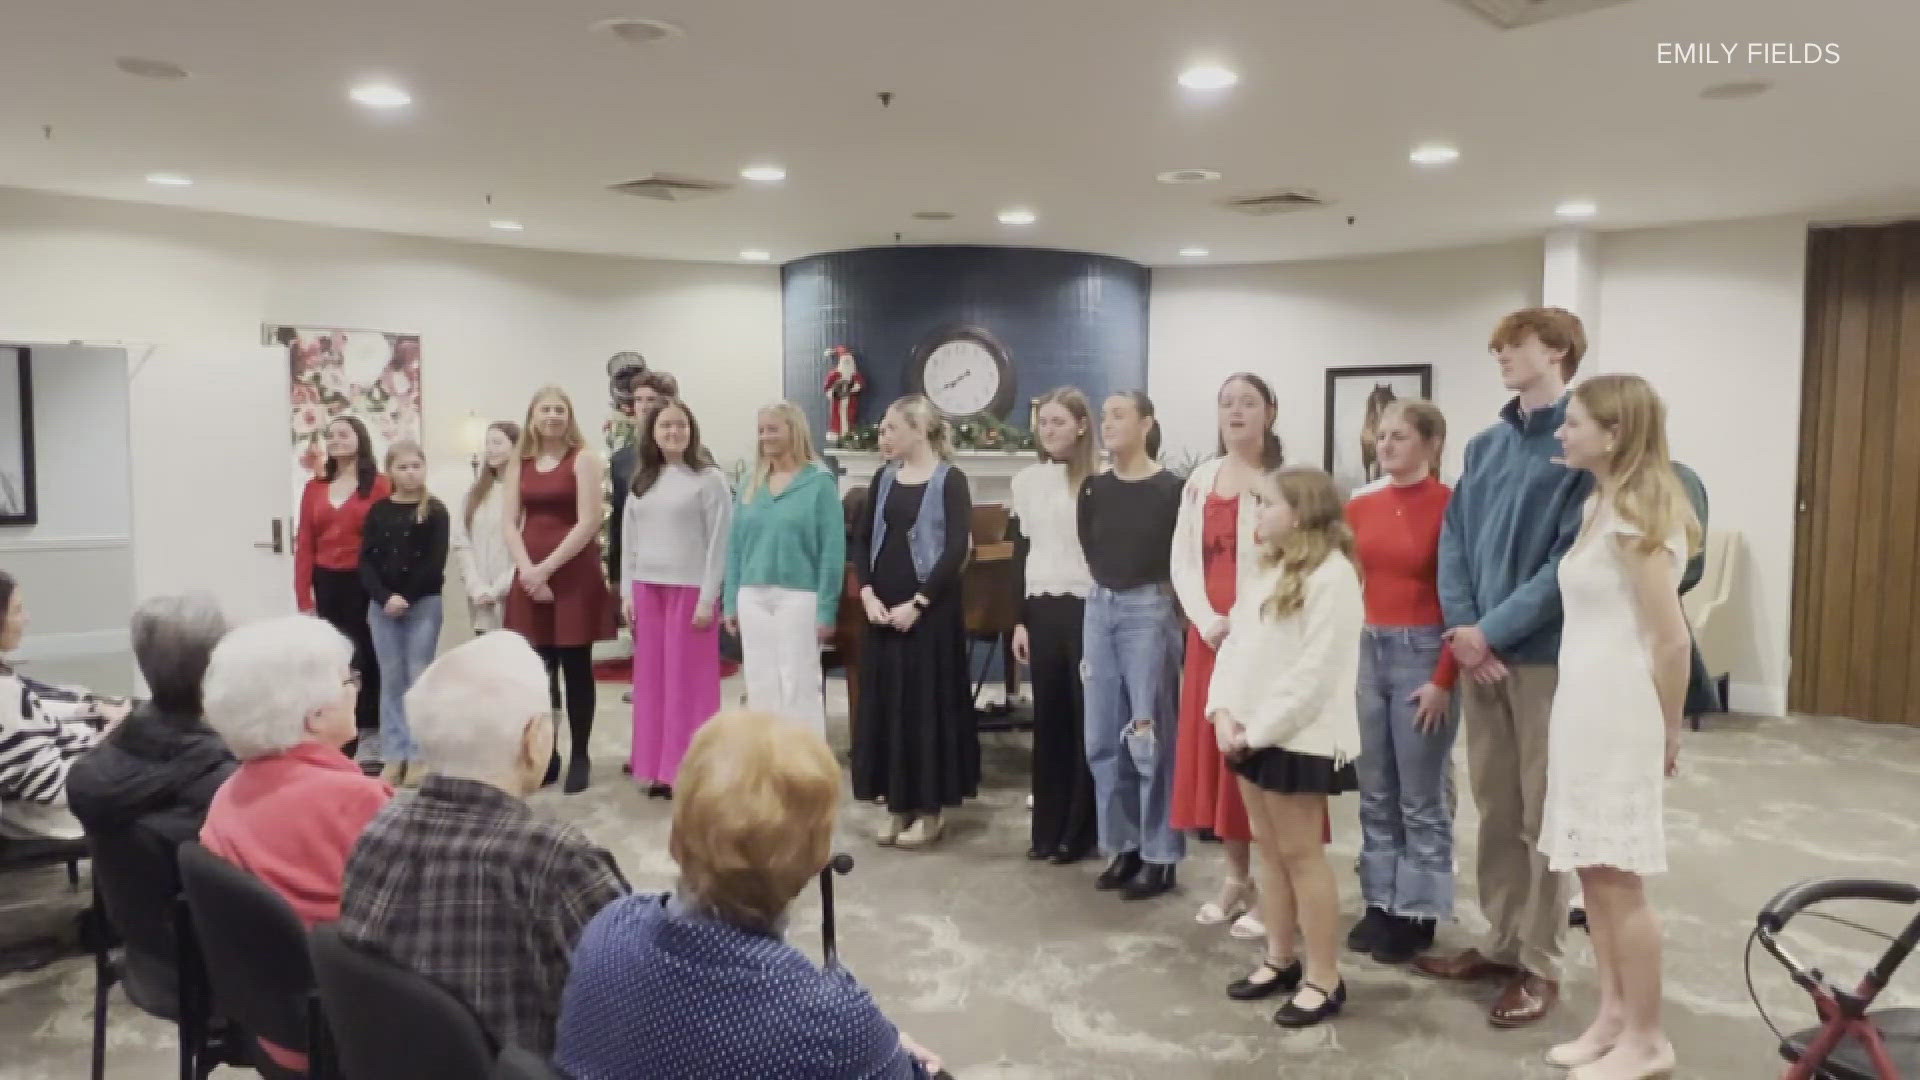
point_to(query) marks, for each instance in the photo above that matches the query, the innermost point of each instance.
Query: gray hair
(265, 678)
(173, 637)
(469, 709)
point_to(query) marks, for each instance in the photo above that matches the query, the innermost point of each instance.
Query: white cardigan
(1189, 573)
(486, 565)
(1291, 682)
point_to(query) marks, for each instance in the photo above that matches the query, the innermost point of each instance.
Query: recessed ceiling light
(933, 215)
(1434, 154)
(638, 31)
(381, 96)
(1208, 77)
(756, 255)
(507, 226)
(1018, 217)
(1188, 176)
(147, 68)
(1735, 91)
(1577, 208)
(1193, 253)
(763, 174)
(167, 179)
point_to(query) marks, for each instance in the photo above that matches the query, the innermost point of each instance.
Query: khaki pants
(1507, 763)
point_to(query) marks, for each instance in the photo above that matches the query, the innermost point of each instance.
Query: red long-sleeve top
(1396, 533)
(329, 535)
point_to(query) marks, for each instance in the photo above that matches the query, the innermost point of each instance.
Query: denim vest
(929, 533)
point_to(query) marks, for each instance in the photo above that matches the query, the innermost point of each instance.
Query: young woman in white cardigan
(1284, 710)
(480, 533)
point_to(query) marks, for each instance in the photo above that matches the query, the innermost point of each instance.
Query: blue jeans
(1133, 645)
(403, 647)
(1406, 817)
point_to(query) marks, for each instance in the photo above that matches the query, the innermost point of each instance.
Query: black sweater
(402, 557)
(1126, 528)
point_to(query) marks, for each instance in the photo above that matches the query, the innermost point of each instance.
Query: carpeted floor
(1023, 971)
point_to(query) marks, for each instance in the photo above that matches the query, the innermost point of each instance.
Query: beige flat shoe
(923, 831)
(889, 833)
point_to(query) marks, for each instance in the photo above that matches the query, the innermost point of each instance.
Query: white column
(1570, 278)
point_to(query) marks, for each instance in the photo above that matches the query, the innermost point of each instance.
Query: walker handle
(1791, 900)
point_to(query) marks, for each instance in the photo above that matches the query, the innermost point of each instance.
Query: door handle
(274, 545)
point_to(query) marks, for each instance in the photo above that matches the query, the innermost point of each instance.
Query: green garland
(982, 432)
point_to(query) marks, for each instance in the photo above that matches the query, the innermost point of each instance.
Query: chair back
(254, 946)
(518, 1064)
(137, 878)
(388, 1022)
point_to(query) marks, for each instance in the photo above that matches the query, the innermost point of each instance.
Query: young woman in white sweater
(480, 533)
(1283, 707)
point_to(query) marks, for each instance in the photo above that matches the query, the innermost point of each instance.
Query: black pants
(339, 598)
(1063, 814)
(571, 667)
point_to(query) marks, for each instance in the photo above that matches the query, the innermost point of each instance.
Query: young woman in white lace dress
(1615, 732)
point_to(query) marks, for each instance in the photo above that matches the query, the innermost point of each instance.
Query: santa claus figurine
(843, 387)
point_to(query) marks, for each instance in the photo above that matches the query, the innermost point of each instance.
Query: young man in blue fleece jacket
(1515, 511)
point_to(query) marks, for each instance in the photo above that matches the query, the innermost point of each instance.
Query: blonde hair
(529, 446)
(1426, 419)
(1646, 491)
(753, 811)
(427, 502)
(917, 412)
(1080, 463)
(799, 445)
(1319, 529)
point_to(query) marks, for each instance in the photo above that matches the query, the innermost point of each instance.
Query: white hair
(265, 678)
(469, 709)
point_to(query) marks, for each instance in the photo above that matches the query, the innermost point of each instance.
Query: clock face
(961, 377)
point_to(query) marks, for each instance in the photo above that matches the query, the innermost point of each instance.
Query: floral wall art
(371, 374)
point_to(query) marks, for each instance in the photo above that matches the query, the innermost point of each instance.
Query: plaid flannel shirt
(460, 882)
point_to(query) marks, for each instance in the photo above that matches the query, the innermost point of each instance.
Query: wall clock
(964, 372)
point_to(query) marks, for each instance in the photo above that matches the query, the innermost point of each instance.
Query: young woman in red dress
(1213, 550)
(559, 601)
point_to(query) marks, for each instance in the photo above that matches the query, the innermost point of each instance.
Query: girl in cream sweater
(1283, 708)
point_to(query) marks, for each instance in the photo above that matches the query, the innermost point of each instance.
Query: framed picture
(373, 375)
(19, 501)
(1356, 396)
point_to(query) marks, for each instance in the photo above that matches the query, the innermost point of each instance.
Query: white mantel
(989, 472)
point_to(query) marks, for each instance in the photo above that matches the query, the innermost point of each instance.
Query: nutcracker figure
(843, 387)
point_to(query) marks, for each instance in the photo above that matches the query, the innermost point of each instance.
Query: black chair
(257, 964)
(518, 1064)
(390, 1023)
(19, 854)
(157, 959)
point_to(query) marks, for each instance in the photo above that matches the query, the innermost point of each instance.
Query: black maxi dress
(919, 746)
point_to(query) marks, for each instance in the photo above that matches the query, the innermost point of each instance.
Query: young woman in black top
(403, 560)
(1133, 649)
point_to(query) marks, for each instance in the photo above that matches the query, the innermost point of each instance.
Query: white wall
(1713, 316)
(494, 322)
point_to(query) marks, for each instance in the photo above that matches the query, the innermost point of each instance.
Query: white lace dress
(1606, 748)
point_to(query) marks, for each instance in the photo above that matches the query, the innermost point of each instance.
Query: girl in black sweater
(403, 560)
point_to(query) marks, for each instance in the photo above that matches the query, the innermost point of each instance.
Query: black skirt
(1287, 773)
(919, 745)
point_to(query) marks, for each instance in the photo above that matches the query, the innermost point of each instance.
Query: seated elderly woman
(458, 879)
(43, 730)
(698, 984)
(281, 692)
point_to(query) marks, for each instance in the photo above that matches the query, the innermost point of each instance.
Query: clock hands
(956, 380)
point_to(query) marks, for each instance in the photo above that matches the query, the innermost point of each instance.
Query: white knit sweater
(1290, 682)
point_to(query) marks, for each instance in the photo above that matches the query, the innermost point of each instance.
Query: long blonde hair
(529, 445)
(799, 445)
(920, 414)
(488, 476)
(1646, 491)
(399, 448)
(1319, 529)
(1081, 461)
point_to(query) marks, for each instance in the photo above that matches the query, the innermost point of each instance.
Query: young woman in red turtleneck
(326, 551)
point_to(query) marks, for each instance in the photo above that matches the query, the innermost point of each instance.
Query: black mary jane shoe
(1155, 880)
(1284, 979)
(660, 791)
(1292, 1015)
(1067, 856)
(1124, 867)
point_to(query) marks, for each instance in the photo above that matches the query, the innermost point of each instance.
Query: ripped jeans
(1132, 650)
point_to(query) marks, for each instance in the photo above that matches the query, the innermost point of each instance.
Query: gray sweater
(676, 534)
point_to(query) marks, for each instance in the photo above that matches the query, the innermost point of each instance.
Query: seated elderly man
(281, 692)
(698, 984)
(458, 879)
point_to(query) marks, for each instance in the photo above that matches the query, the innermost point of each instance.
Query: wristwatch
(921, 603)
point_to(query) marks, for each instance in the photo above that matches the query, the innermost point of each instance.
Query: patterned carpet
(1023, 972)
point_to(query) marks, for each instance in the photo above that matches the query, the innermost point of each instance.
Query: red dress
(582, 609)
(1205, 792)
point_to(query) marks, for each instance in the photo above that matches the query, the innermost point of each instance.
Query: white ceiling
(1066, 106)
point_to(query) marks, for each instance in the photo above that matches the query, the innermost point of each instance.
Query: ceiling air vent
(670, 188)
(1275, 202)
(1512, 14)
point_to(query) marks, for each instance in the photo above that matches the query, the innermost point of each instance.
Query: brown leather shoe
(1468, 966)
(1525, 1000)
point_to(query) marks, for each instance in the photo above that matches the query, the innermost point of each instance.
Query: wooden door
(1856, 633)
